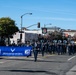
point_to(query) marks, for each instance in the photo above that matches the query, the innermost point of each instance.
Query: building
(69, 32)
(52, 29)
(27, 35)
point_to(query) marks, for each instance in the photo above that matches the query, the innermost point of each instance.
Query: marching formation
(60, 48)
(53, 48)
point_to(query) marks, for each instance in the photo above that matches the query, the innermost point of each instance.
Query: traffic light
(38, 24)
(44, 30)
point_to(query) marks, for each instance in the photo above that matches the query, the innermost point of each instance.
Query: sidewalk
(72, 71)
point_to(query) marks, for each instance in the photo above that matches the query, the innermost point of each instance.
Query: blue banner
(15, 51)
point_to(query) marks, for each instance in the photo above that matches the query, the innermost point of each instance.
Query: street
(47, 65)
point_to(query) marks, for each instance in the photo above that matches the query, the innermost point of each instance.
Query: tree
(7, 27)
(56, 35)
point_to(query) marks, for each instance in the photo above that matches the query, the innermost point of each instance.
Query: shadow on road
(34, 71)
(73, 70)
(31, 71)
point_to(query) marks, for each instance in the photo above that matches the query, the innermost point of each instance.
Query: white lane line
(71, 58)
(1, 62)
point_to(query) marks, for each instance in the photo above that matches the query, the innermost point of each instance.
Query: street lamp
(47, 24)
(22, 23)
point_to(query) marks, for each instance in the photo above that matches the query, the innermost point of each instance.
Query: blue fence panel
(15, 51)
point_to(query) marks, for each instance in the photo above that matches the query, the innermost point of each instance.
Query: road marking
(71, 58)
(1, 62)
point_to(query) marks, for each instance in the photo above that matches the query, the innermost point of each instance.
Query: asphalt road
(47, 65)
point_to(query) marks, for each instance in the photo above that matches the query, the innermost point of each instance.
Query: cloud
(35, 9)
(53, 18)
(64, 19)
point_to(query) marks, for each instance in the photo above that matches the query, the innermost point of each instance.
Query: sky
(59, 13)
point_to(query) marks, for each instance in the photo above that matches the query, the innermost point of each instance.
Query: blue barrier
(15, 51)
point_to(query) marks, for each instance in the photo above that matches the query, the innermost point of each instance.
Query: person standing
(42, 48)
(35, 50)
(69, 49)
